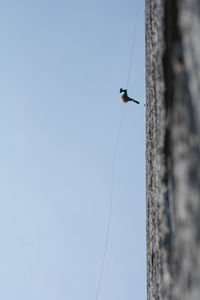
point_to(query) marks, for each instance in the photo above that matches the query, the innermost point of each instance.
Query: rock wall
(173, 149)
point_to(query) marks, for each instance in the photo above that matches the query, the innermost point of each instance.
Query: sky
(62, 65)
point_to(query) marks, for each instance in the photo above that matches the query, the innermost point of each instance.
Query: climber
(125, 98)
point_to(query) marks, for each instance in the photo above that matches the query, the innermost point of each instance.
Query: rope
(133, 46)
(111, 201)
(114, 161)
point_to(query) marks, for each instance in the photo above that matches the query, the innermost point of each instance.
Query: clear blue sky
(62, 65)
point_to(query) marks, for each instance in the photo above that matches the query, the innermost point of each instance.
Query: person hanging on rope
(125, 98)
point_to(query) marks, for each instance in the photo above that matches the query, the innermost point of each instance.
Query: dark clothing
(125, 98)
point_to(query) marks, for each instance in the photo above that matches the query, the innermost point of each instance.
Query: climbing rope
(111, 201)
(114, 159)
(132, 46)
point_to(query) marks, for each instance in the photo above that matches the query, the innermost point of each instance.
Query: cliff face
(173, 149)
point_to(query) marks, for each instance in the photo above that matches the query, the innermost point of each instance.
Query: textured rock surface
(173, 148)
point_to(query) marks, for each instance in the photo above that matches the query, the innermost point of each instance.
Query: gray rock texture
(173, 149)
